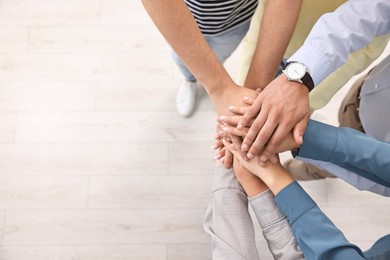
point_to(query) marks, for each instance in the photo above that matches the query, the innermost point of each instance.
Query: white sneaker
(186, 98)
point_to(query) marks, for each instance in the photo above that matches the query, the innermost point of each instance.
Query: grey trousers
(230, 226)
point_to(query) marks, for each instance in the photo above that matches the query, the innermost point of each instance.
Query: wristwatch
(296, 71)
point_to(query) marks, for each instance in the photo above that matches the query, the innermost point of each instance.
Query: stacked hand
(282, 107)
(226, 128)
(230, 94)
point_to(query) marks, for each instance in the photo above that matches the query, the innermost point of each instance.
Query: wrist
(275, 177)
(297, 72)
(293, 84)
(218, 85)
(288, 144)
(251, 184)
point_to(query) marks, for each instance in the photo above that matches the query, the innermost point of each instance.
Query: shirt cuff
(294, 202)
(265, 209)
(316, 62)
(319, 141)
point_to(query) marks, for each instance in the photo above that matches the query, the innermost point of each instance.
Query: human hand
(281, 107)
(251, 184)
(222, 154)
(273, 175)
(229, 129)
(229, 94)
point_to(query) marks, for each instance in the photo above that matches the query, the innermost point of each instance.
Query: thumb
(299, 130)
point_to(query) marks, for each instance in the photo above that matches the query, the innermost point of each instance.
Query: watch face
(295, 71)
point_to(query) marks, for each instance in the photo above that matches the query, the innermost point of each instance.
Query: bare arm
(283, 105)
(276, 29)
(177, 25)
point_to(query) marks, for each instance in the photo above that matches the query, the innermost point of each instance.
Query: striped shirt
(217, 16)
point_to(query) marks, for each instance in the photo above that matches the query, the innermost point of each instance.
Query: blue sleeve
(349, 149)
(315, 234)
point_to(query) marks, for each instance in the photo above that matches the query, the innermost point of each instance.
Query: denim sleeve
(349, 149)
(315, 234)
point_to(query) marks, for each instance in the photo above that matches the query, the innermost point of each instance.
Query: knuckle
(274, 143)
(249, 138)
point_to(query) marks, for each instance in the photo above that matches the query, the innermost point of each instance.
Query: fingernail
(261, 163)
(273, 160)
(244, 147)
(217, 157)
(240, 126)
(263, 158)
(214, 147)
(250, 156)
(222, 118)
(225, 129)
(231, 107)
(246, 98)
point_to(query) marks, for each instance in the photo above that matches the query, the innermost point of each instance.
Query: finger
(220, 153)
(251, 113)
(235, 132)
(236, 141)
(237, 147)
(266, 131)
(230, 147)
(261, 163)
(299, 130)
(232, 120)
(217, 144)
(229, 120)
(249, 101)
(274, 142)
(238, 110)
(274, 159)
(254, 130)
(217, 131)
(228, 160)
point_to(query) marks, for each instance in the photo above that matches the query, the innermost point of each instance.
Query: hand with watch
(282, 107)
(296, 71)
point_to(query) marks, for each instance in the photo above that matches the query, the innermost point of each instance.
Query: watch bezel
(305, 79)
(301, 73)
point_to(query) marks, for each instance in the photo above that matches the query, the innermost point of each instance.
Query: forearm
(277, 27)
(316, 235)
(335, 35)
(227, 219)
(349, 149)
(353, 178)
(273, 175)
(177, 25)
(275, 227)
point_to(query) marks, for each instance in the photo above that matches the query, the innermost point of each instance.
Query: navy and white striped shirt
(217, 16)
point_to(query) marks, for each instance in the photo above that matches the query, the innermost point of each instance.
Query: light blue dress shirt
(337, 34)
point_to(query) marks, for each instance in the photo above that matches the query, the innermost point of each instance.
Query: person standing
(223, 24)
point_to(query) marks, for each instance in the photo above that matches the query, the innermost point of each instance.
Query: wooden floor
(95, 163)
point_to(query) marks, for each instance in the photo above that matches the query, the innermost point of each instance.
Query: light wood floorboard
(95, 163)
